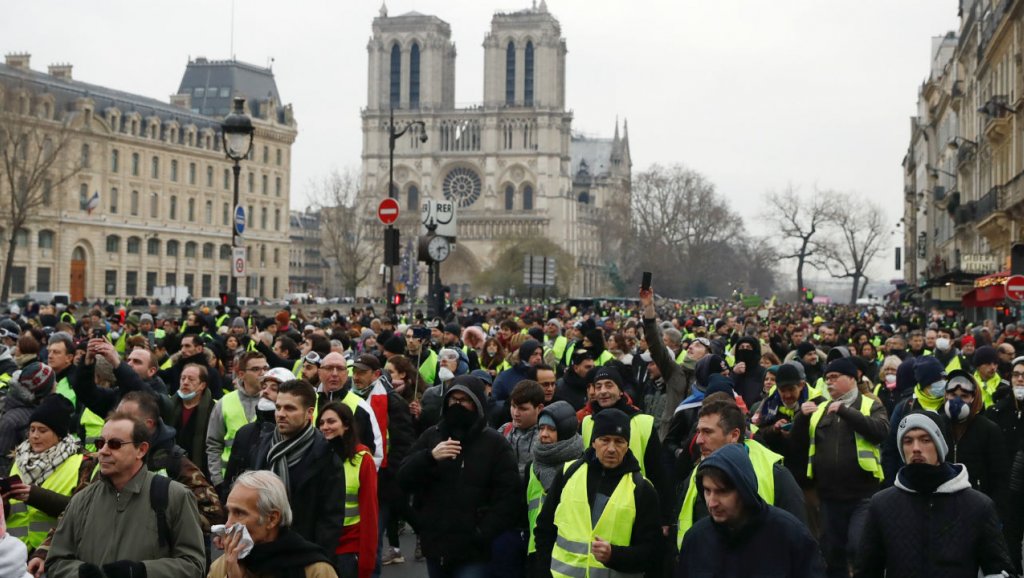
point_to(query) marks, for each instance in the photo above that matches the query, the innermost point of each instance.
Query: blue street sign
(239, 220)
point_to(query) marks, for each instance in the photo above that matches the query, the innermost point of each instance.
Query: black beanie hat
(527, 349)
(985, 354)
(395, 344)
(804, 348)
(55, 412)
(842, 366)
(611, 422)
(608, 373)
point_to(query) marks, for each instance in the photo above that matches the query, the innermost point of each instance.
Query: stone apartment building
(151, 203)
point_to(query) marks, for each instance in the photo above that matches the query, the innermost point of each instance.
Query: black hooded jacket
(646, 539)
(749, 384)
(461, 505)
(769, 542)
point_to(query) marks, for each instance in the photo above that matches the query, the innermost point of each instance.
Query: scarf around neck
(35, 468)
(287, 557)
(285, 453)
(548, 459)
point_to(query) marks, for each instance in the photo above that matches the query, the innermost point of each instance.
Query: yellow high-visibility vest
(31, 525)
(641, 427)
(868, 457)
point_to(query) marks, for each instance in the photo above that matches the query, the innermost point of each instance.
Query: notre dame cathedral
(511, 164)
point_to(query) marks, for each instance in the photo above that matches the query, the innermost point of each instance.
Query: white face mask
(942, 344)
(938, 389)
(265, 404)
(890, 381)
(1018, 392)
(445, 374)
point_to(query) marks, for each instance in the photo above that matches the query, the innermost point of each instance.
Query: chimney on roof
(60, 71)
(19, 60)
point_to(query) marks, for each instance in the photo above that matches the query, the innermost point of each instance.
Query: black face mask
(747, 356)
(459, 417)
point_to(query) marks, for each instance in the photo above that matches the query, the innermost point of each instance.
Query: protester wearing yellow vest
(843, 459)
(720, 423)
(48, 460)
(644, 440)
(416, 343)
(236, 409)
(560, 445)
(601, 517)
(986, 362)
(357, 546)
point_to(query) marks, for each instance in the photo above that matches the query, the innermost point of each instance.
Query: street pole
(390, 270)
(237, 170)
(394, 135)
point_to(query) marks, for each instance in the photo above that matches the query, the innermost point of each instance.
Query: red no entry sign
(387, 211)
(1015, 287)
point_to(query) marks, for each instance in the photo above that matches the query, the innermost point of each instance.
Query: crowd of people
(680, 439)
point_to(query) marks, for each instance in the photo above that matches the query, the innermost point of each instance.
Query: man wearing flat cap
(600, 514)
(843, 459)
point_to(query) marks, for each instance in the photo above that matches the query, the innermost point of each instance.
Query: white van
(49, 297)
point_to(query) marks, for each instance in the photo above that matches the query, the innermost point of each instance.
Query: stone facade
(511, 164)
(964, 169)
(151, 204)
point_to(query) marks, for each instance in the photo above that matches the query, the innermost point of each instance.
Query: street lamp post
(394, 135)
(237, 134)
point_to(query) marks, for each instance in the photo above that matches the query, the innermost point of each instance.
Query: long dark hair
(346, 447)
(414, 386)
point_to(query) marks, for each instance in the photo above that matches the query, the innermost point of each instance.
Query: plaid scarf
(35, 468)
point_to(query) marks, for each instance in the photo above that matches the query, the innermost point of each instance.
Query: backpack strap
(159, 492)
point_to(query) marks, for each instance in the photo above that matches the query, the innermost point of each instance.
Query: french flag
(94, 201)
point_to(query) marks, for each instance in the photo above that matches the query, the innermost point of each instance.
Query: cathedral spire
(383, 10)
(616, 139)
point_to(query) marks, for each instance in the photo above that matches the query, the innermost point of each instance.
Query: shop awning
(989, 291)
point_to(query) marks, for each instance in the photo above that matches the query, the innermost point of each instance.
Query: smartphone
(645, 282)
(99, 334)
(6, 483)
(786, 426)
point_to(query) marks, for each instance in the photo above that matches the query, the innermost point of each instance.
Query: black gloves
(89, 571)
(124, 569)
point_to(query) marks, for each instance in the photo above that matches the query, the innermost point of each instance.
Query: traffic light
(228, 300)
(392, 248)
(398, 299)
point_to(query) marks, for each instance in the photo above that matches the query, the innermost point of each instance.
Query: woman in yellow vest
(357, 546)
(48, 460)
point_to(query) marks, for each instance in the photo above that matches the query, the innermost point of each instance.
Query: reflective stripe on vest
(557, 346)
(571, 557)
(297, 368)
(535, 495)
(641, 426)
(763, 460)
(234, 418)
(868, 457)
(93, 426)
(352, 488)
(31, 525)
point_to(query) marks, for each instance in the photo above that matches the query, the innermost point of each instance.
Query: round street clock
(438, 248)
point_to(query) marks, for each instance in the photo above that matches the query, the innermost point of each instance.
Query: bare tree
(800, 222)
(682, 231)
(859, 232)
(35, 159)
(345, 228)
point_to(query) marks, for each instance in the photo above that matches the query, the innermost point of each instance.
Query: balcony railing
(988, 204)
(964, 214)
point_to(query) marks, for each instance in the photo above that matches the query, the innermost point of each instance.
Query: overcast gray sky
(755, 94)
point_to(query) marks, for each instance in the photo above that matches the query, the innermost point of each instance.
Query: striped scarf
(285, 453)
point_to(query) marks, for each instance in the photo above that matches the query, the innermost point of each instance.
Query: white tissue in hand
(224, 531)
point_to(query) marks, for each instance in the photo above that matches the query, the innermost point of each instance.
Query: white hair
(272, 494)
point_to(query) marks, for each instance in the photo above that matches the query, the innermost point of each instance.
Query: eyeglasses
(312, 358)
(333, 368)
(114, 444)
(1017, 375)
(260, 369)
